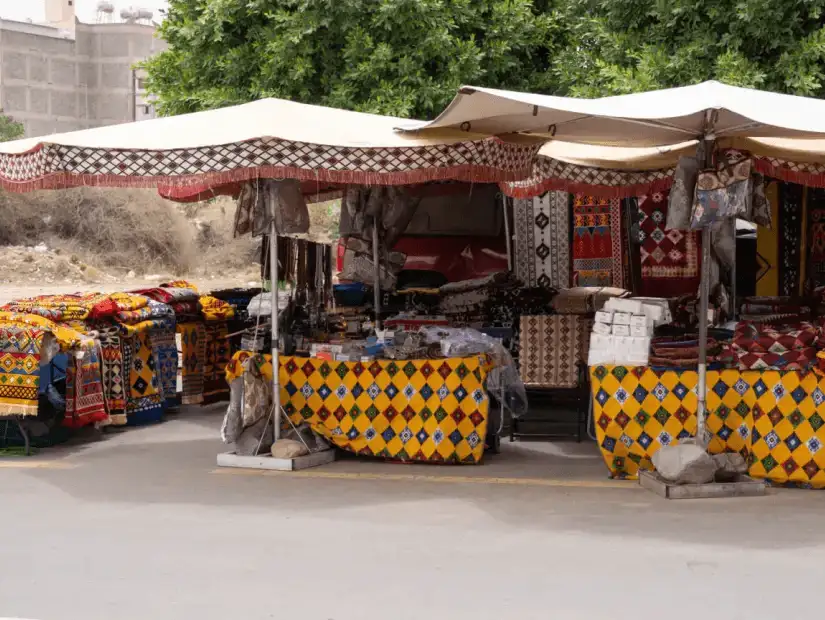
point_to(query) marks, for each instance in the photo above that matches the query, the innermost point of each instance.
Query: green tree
(9, 128)
(397, 57)
(622, 46)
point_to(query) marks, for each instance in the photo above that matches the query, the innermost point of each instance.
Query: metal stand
(23, 432)
(507, 238)
(273, 271)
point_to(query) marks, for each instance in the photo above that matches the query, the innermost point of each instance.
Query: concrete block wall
(53, 84)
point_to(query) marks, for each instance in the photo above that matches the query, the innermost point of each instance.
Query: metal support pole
(273, 275)
(376, 285)
(704, 297)
(704, 294)
(507, 232)
(734, 308)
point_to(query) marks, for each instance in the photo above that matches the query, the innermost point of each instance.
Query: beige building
(65, 75)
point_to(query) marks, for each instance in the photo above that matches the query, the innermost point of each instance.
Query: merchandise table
(775, 419)
(422, 410)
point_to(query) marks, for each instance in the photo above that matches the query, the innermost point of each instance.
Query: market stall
(218, 151)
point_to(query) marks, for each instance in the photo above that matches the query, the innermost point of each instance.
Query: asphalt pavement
(141, 524)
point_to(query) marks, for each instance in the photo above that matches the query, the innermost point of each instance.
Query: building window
(71, 2)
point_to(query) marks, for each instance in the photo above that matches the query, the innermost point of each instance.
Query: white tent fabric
(662, 117)
(271, 138)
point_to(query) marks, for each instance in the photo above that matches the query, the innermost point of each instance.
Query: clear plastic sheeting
(503, 382)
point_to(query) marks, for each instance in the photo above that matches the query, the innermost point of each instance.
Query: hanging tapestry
(552, 349)
(790, 238)
(215, 387)
(542, 240)
(165, 347)
(19, 369)
(816, 239)
(669, 257)
(111, 366)
(419, 410)
(597, 241)
(145, 402)
(193, 351)
(85, 403)
(771, 417)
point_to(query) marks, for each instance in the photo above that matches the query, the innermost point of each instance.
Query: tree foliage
(408, 57)
(9, 128)
(624, 46)
(398, 57)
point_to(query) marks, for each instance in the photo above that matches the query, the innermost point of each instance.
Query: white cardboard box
(642, 331)
(631, 306)
(601, 350)
(602, 329)
(639, 319)
(621, 330)
(621, 318)
(604, 316)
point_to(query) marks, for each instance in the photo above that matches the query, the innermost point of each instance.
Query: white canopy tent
(654, 118)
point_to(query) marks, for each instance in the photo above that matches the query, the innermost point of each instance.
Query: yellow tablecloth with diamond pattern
(776, 419)
(422, 410)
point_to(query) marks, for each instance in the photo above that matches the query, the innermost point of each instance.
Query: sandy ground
(141, 524)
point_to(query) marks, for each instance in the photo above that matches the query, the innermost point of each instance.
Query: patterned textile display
(152, 310)
(181, 173)
(145, 402)
(19, 369)
(669, 257)
(66, 307)
(85, 402)
(193, 351)
(597, 242)
(169, 295)
(774, 418)
(215, 387)
(816, 239)
(551, 348)
(112, 370)
(67, 338)
(186, 309)
(420, 410)
(790, 236)
(542, 240)
(216, 309)
(165, 347)
(553, 174)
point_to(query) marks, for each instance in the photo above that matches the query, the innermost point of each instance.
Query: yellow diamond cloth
(19, 369)
(421, 410)
(776, 419)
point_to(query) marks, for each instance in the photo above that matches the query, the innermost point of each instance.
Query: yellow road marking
(538, 482)
(26, 464)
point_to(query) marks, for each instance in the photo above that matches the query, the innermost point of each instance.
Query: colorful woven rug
(215, 387)
(19, 369)
(112, 369)
(542, 240)
(193, 350)
(420, 410)
(145, 401)
(85, 403)
(669, 257)
(816, 239)
(597, 242)
(771, 417)
(551, 348)
(165, 347)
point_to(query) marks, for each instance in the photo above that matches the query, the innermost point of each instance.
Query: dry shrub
(116, 229)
